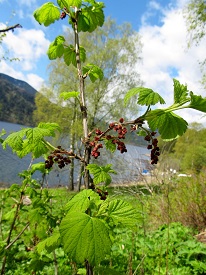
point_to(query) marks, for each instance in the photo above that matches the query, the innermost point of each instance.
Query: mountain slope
(16, 100)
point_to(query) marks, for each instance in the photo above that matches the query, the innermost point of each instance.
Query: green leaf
(49, 244)
(37, 148)
(197, 102)
(15, 140)
(52, 127)
(146, 96)
(180, 92)
(85, 237)
(75, 3)
(34, 214)
(56, 48)
(47, 14)
(101, 173)
(110, 145)
(82, 201)
(83, 23)
(70, 55)
(31, 140)
(169, 125)
(149, 97)
(95, 16)
(67, 95)
(69, 3)
(93, 71)
(38, 167)
(9, 215)
(141, 133)
(122, 212)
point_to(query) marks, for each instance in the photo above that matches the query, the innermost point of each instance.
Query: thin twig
(11, 28)
(135, 272)
(19, 235)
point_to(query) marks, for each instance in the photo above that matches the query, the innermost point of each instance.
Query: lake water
(128, 165)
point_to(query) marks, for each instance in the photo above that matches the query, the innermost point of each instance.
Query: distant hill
(16, 100)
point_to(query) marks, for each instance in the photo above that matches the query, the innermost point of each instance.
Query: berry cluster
(57, 156)
(117, 127)
(63, 15)
(103, 194)
(153, 147)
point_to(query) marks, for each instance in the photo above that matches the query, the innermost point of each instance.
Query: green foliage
(82, 201)
(93, 71)
(70, 55)
(121, 212)
(49, 244)
(189, 150)
(85, 237)
(56, 48)
(67, 95)
(198, 103)
(170, 249)
(47, 14)
(101, 173)
(91, 17)
(31, 140)
(146, 96)
(168, 124)
(196, 18)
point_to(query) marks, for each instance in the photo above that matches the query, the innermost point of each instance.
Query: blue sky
(159, 22)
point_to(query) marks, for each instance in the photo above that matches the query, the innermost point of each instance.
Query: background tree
(116, 50)
(187, 153)
(195, 14)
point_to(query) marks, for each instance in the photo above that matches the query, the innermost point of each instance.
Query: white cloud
(27, 45)
(35, 81)
(165, 53)
(27, 3)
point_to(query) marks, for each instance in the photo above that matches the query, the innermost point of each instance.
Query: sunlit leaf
(51, 126)
(168, 124)
(75, 3)
(81, 201)
(67, 95)
(47, 14)
(145, 96)
(15, 140)
(49, 244)
(70, 55)
(85, 237)
(40, 166)
(197, 102)
(101, 173)
(110, 145)
(93, 71)
(31, 140)
(83, 23)
(56, 48)
(95, 17)
(180, 92)
(122, 212)
(149, 97)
